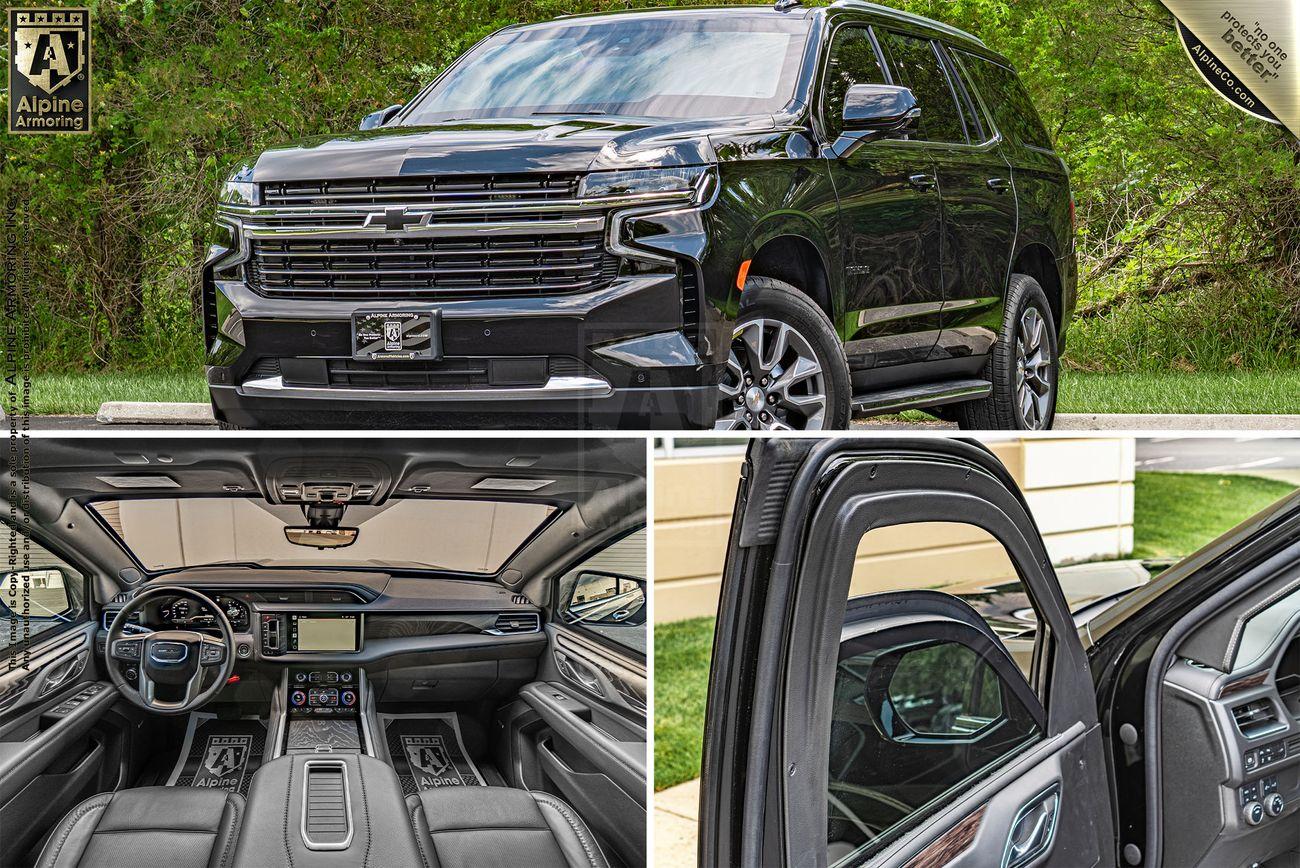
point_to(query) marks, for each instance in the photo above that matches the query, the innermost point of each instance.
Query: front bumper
(618, 356)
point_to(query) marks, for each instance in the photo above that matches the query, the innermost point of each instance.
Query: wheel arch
(795, 259)
(1036, 260)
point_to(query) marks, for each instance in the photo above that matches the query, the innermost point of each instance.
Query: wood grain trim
(1243, 684)
(951, 843)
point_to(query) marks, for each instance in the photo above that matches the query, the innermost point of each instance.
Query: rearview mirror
(321, 537)
(880, 108)
(46, 586)
(378, 119)
(606, 598)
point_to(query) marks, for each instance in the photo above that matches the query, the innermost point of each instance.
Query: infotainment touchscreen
(324, 633)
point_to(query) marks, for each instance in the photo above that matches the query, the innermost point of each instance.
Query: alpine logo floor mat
(427, 752)
(219, 753)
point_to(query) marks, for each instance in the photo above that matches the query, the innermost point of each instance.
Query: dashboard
(182, 613)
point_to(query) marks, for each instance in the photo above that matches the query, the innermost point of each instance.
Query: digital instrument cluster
(185, 613)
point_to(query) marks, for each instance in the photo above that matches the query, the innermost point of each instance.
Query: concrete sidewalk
(677, 813)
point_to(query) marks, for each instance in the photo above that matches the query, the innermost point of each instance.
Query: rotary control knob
(1254, 813)
(297, 698)
(1274, 805)
(300, 677)
(348, 698)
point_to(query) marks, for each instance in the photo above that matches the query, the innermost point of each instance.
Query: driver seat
(148, 827)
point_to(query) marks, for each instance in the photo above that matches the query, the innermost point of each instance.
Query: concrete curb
(151, 413)
(1174, 422)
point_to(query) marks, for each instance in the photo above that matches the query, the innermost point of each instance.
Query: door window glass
(852, 60)
(975, 127)
(50, 592)
(914, 719)
(916, 66)
(606, 595)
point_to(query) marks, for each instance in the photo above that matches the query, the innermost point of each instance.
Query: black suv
(806, 213)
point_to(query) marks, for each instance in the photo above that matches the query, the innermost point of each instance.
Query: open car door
(891, 728)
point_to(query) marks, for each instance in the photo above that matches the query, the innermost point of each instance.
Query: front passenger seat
(148, 827)
(460, 827)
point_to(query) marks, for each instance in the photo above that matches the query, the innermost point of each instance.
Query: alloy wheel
(773, 381)
(1034, 381)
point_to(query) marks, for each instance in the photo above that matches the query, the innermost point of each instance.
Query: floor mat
(428, 752)
(220, 753)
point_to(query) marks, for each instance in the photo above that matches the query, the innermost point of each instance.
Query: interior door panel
(50, 755)
(590, 747)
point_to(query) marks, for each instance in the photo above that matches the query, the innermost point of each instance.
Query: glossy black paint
(908, 245)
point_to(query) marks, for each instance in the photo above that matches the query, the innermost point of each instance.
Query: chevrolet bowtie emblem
(395, 219)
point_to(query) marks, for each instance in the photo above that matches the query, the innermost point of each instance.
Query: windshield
(466, 536)
(663, 66)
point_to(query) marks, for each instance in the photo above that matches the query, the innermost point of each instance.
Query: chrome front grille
(432, 267)
(449, 189)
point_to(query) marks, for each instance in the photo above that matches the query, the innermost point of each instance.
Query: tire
(223, 425)
(1002, 410)
(771, 310)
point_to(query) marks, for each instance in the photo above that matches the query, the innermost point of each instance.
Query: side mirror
(942, 691)
(880, 108)
(321, 537)
(378, 119)
(606, 598)
(48, 589)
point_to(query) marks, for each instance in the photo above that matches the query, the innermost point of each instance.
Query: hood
(490, 146)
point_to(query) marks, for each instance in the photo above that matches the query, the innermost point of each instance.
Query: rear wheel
(1022, 366)
(786, 370)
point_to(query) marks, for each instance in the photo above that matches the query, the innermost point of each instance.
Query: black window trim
(587, 633)
(959, 78)
(988, 111)
(820, 128)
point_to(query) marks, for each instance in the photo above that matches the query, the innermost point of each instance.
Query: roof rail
(909, 16)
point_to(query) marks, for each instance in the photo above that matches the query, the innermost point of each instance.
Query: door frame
(801, 509)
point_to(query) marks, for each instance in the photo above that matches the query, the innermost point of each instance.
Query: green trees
(1189, 210)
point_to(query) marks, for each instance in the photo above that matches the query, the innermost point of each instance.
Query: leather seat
(167, 827)
(476, 826)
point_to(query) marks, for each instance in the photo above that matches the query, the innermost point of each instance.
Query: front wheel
(1022, 366)
(786, 370)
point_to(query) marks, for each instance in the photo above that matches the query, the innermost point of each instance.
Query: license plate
(389, 334)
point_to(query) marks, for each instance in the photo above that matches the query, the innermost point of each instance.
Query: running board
(920, 396)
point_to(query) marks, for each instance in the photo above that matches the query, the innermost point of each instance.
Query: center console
(323, 711)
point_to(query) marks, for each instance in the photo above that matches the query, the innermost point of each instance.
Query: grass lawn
(1174, 515)
(1265, 392)
(81, 394)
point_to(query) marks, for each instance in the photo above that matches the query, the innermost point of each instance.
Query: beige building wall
(1079, 490)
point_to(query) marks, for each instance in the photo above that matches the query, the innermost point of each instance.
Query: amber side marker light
(742, 274)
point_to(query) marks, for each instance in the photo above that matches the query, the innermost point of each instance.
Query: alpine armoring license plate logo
(378, 335)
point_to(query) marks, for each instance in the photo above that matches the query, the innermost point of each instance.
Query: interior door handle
(1000, 185)
(1034, 829)
(922, 181)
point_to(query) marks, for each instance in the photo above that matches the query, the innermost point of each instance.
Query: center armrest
(358, 815)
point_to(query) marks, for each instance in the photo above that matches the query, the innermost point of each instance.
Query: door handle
(999, 185)
(1034, 829)
(922, 181)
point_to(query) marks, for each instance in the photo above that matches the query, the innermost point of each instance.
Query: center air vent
(521, 622)
(1255, 718)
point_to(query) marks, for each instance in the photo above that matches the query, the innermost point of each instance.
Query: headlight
(238, 193)
(639, 182)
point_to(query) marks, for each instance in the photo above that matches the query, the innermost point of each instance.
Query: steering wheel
(170, 657)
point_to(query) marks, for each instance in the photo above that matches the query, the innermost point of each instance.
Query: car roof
(935, 27)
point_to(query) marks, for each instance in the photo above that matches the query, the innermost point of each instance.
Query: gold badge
(49, 70)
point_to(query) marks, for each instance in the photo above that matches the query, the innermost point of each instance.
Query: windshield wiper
(589, 112)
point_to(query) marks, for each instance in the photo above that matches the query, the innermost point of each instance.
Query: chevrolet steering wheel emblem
(396, 219)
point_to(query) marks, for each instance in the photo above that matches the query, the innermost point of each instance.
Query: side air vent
(122, 597)
(1255, 718)
(326, 812)
(520, 600)
(1292, 745)
(521, 622)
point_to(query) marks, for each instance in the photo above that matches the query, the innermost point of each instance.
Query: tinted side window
(913, 720)
(602, 594)
(51, 592)
(852, 60)
(916, 66)
(976, 128)
(1005, 96)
